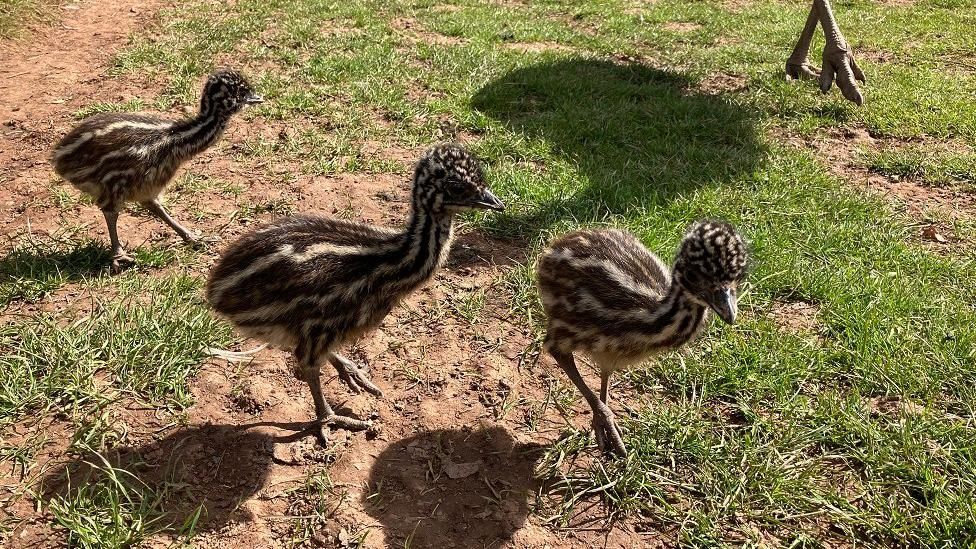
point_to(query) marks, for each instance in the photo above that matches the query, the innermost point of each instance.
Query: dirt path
(463, 416)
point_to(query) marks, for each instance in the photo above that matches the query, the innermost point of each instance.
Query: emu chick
(309, 284)
(122, 157)
(608, 296)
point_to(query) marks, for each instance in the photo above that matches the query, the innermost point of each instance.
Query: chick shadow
(637, 136)
(33, 262)
(452, 488)
(197, 475)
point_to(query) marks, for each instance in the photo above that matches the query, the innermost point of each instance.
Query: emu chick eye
(456, 186)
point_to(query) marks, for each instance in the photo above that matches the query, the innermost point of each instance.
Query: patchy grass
(111, 507)
(145, 340)
(16, 14)
(756, 434)
(133, 105)
(917, 162)
(35, 265)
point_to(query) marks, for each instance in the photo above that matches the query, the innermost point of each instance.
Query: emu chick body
(309, 284)
(608, 296)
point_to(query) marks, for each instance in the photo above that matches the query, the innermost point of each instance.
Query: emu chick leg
(157, 209)
(608, 435)
(325, 416)
(120, 259)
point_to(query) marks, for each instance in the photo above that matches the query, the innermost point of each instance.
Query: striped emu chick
(608, 296)
(123, 157)
(309, 284)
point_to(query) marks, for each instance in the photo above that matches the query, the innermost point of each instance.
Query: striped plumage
(124, 157)
(608, 296)
(309, 283)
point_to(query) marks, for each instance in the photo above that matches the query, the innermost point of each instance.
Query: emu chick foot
(200, 242)
(121, 261)
(608, 436)
(322, 427)
(354, 376)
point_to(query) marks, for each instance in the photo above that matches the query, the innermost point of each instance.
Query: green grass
(757, 433)
(144, 341)
(35, 266)
(133, 105)
(922, 163)
(110, 507)
(16, 14)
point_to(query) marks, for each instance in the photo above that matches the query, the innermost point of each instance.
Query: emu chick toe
(121, 261)
(355, 378)
(608, 435)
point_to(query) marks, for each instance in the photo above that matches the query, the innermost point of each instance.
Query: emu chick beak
(488, 201)
(724, 303)
(253, 99)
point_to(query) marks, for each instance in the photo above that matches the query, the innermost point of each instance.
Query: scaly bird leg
(838, 61)
(120, 259)
(798, 64)
(605, 387)
(325, 416)
(157, 209)
(608, 435)
(353, 376)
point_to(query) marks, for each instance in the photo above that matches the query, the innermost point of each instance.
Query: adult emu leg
(838, 59)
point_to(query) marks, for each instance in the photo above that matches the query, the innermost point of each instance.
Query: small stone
(931, 233)
(461, 470)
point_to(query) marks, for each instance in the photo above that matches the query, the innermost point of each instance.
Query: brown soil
(537, 47)
(681, 26)
(721, 82)
(933, 207)
(414, 32)
(452, 462)
(892, 406)
(796, 316)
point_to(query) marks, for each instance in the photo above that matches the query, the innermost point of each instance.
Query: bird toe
(121, 261)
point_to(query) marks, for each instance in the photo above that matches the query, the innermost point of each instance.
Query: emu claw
(121, 261)
(608, 435)
(201, 242)
(801, 71)
(354, 377)
(839, 63)
(322, 426)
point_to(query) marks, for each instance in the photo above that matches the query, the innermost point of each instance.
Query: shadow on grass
(638, 136)
(35, 266)
(452, 488)
(194, 479)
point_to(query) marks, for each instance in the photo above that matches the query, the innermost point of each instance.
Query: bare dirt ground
(452, 465)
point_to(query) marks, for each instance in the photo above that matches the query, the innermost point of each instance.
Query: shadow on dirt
(452, 488)
(208, 469)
